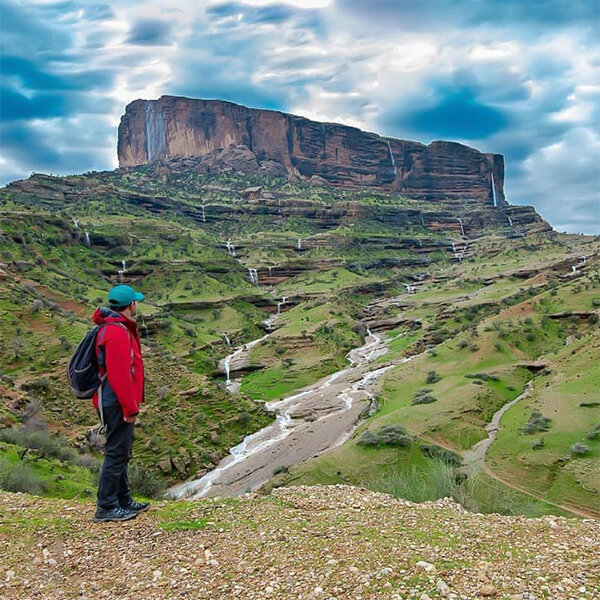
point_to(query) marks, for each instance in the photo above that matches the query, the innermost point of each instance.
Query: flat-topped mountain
(251, 140)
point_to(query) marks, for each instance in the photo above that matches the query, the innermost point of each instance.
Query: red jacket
(121, 352)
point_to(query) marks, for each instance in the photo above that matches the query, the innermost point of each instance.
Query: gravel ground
(299, 543)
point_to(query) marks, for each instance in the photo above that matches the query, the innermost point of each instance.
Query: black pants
(113, 488)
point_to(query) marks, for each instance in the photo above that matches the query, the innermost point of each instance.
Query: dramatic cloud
(514, 77)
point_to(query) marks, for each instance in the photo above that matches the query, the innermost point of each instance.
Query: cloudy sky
(518, 77)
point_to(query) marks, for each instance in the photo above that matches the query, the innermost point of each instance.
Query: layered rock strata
(231, 136)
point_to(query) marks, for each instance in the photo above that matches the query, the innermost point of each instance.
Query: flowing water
(392, 158)
(253, 276)
(474, 459)
(87, 239)
(306, 424)
(494, 196)
(462, 229)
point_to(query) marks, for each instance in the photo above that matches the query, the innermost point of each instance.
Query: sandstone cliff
(271, 141)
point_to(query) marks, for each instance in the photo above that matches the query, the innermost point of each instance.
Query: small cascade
(494, 197)
(324, 139)
(122, 271)
(227, 340)
(203, 213)
(456, 253)
(409, 288)
(253, 276)
(87, 239)
(270, 271)
(299, 244)
(280, 304)
(462, 229)
(510, 223)
(420, 243)
(574, 270)
(422, 220)
(583, 258)
(226, 366)
(75, 223)
(230, 248)
(144, 326)
(392, 158)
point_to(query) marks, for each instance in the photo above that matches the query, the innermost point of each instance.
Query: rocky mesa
(254, 140)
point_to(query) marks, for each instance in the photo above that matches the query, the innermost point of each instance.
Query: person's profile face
(134, 306)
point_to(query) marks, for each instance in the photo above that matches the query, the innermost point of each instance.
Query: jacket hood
(106, 315)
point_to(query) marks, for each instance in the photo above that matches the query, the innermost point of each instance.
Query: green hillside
(507, 304)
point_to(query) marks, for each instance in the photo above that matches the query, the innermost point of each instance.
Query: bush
(145, 482)
(593, 434)
(432, 377)
(447, 456)
(388, 435)
(42, 442)
(482, 376)
(20, 477)
(423, 396)
(538, 444)
(537, 422)
(579, 449)
(280, 469)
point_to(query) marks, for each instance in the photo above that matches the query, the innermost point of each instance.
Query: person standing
(118, 399)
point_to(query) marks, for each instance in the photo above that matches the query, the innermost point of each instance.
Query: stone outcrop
(234, 137)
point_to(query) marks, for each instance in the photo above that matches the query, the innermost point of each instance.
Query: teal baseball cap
(123, 295)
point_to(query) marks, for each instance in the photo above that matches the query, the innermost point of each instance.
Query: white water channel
(306, 424)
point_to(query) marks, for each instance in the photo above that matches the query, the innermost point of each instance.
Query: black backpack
(83, 372)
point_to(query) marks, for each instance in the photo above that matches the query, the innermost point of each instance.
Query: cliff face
(152, 130)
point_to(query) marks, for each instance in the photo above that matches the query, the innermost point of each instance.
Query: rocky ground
(301, 543)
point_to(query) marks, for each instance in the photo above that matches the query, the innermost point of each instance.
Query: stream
(316, 419)
(474, 459)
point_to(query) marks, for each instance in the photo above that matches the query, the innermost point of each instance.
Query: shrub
(145, 482)
(280, 469)
(432, 377)
(579, 449)
(463, 344)
(388, 435)
(537, 422)
(593, 434)
(41, 441)
(447, 456)
(482, 376)
(20, 477)
(423, 399)
(538, 444)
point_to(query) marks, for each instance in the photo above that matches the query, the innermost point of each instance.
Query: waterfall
(122, 270)
(87, 239)
(422, 220)
(280, 304)
(583, 258)
(75, 223)
(270, 270)
(420, 243)
(155, 132)
(227, 340)
(494, 197)
(574, 269)
(299, 244)
(324, 140)
(203, 213)
(253, 275)
(144, 326)
(226, 365)
(409, 288)
(230, 248)
(509, 221)
(462, 229)
(455, 252)
(392, 158)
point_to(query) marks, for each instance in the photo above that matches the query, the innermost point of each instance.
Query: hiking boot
(137, 507)
(114, 514)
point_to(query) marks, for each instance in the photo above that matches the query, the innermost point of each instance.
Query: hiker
(117, 400)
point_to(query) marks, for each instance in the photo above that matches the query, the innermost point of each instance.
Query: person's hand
(130, 419)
